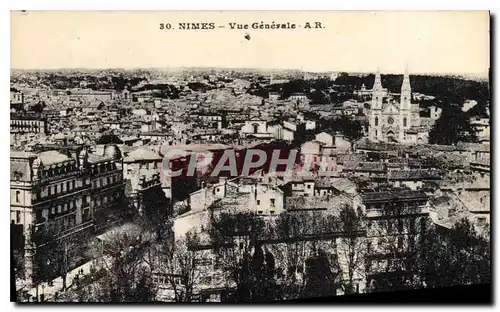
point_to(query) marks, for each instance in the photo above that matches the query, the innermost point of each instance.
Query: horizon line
(476, 74)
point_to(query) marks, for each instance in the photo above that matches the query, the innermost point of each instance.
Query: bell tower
(406, 92)
(405, 106)
(376, 109)
(377, 92)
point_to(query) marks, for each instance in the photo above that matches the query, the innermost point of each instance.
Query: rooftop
(142, 154)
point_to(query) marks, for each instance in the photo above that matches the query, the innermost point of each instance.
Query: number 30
(165, 26)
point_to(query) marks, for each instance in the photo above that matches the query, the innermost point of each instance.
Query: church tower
(376, 109)
(405, 107)
(406, 92)
(377, 92)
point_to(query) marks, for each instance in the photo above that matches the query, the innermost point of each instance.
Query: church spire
(406, 90)
(377, 85)
(377, 92)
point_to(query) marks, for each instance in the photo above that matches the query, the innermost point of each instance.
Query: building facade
(27, 124)
(73, 197)
(390, 120)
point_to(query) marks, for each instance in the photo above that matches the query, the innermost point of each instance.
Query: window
(376, 122)
(260, 211)
(68, 186)
(18, 195)
(412, 225)
(400, 242)
(400, 226)
(86, 215)
(49, 190)
(258, 202)
(404, 122)
(18, 216)
(308, 186)
(273, 204)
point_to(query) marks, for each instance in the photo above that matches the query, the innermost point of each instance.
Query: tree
(109, 139)
(352, 245)
(234, 238)
(351, 129)
(453, 126)
(184, 264)
(263, 275)
(292, 228)
(38, 107)
(50, 254)
(319, 278)
(124, 274)
(307, 245)
(156, 209)
(459, 256)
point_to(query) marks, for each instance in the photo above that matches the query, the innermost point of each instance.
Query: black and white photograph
(249, 157)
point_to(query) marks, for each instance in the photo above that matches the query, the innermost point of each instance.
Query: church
(393, 121)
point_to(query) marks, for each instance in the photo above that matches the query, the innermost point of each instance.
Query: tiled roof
(364, 166)
(315, 203)
(390, 195)
(413, 175)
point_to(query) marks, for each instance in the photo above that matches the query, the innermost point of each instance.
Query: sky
(440, 42)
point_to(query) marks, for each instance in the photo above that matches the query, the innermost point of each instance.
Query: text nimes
(240, 26)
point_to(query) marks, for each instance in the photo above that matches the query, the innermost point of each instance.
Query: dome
(112, 151)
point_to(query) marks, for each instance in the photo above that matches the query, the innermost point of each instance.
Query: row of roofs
(391, 195)
(461, 146)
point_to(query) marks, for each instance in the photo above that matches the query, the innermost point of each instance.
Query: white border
(491, 5)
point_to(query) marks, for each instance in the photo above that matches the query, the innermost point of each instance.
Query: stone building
(27, 123)
(72, 197)
(393, 121)
(395, 218)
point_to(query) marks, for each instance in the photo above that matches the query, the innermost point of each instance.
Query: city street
(57, 284)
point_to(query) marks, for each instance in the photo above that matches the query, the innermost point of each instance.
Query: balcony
(77, 228)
